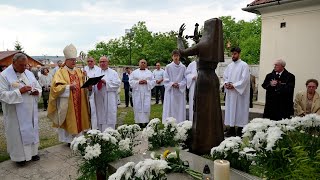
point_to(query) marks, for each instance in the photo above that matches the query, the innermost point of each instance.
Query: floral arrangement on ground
(286, 149)
(97, 148)
(155, 168)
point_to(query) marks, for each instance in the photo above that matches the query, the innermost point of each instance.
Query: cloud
(46, 28)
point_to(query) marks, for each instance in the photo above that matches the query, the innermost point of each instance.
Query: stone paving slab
(56, 162)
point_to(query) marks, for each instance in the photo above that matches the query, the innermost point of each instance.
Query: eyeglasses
(90, 61)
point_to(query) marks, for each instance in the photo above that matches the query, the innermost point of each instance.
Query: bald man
(105, 95)
(142, 81)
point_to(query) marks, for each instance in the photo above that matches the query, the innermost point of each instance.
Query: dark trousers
(127, 97)
(161, 90)
(45, 97)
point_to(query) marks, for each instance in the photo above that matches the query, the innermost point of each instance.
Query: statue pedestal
(196, 163)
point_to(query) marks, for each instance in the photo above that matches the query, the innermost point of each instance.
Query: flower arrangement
(177, 165)
(149, 169)
(97, 148)
(168, 134)
(155, 168)
(286, 149)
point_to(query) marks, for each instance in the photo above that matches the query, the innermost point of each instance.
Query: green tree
(246, 35)
(17, 46)
(145, 44)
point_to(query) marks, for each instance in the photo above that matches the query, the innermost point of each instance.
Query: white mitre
(70, 52)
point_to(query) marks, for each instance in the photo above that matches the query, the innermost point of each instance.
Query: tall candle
(221, 170)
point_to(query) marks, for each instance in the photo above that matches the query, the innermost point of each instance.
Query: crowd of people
(74, 109)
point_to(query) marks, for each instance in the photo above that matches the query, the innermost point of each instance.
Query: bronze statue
(207, 129)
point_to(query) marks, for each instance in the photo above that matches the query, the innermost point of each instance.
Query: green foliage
(18, 46)
(296, 157)
(246, 35)
(144, 44)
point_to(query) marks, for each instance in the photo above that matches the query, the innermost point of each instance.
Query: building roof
(4, 54)
(258, 4)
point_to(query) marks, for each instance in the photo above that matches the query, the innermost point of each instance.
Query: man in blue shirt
(127, 89)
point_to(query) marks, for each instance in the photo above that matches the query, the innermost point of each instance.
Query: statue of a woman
(207, 129)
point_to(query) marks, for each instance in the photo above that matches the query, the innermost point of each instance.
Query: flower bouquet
(97, 150)
(177, 165)
(148, 169)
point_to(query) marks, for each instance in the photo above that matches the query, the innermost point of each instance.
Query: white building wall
(298, 43)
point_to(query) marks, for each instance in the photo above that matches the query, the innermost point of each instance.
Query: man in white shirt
(237, 87)
(141, 81)
(92, 70)
(175, 88)
(158, 76)
(19, 94)
(105, 93)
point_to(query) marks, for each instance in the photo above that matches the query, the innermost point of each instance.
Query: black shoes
(21, 163)
(35, 158)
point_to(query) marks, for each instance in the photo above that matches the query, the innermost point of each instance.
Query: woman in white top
(45, 82)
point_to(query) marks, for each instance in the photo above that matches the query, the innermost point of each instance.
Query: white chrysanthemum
(124, 145)
(76, 141)
(144, 169)
(172, 155)
(231, 143)
(273, 135)
(93, 132)
(154, 121)
(258, 140)
(107, 137)
(135, 128)
(148, 132)
(256, 125)
(125, 172)
(182, 130)
(113, 133)
(92, 151)
(170, 120)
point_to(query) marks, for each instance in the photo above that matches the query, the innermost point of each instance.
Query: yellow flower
(166, 153)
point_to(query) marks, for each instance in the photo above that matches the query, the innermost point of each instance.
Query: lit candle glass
(221, 170)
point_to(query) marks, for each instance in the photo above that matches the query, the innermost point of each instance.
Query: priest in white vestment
(20, 93)
(105, 95)
(191, 76)
(175, 87)
(237, 87)
(91, 71)
(141, 81)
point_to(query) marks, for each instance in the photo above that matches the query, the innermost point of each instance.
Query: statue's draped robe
(141, 94)
(106, 102)
(20, 113)
(237, 99)
(174, 104)
(191, 72)
(93, 72)
(207, 128)
(68, 109)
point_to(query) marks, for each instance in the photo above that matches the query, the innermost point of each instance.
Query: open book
(92, 81)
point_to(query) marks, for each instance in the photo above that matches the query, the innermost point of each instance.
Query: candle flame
(221, 161)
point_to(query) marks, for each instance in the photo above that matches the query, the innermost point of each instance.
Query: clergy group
(74, 109)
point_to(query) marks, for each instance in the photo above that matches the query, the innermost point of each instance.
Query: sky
(45, 27)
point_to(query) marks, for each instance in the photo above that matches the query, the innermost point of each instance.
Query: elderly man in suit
(307, 102)
(279, 86)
